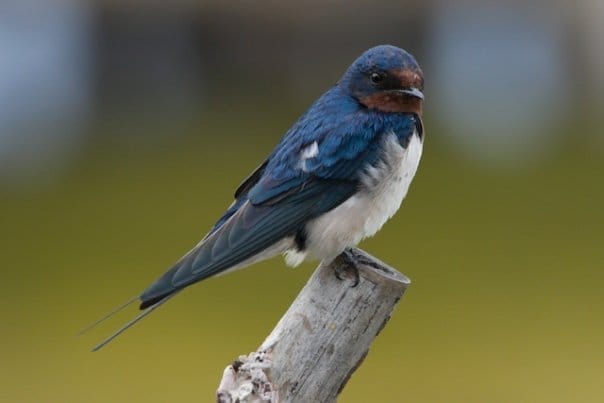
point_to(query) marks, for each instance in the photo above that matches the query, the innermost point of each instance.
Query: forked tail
(129, 324)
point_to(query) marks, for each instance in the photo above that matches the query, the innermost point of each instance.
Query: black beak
(414, 92)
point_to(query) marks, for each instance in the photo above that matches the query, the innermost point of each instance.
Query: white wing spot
(308, 152)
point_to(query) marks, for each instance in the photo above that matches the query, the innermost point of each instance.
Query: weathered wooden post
(320, 341)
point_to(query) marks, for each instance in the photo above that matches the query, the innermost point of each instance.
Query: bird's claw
(346, 268)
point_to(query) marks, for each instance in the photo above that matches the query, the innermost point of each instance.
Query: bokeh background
(126, 125)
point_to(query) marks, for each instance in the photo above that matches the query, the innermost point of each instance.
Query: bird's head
(386, 78)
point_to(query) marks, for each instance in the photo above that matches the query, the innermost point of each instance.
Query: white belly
(383, 188)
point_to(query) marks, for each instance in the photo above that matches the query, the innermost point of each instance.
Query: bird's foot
(346, 266)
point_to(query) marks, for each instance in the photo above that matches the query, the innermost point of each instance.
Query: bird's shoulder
(333, 129)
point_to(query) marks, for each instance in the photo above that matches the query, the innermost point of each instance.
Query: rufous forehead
(409, 78)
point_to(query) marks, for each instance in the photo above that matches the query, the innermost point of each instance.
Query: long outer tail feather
(107, 316)
(137, 318)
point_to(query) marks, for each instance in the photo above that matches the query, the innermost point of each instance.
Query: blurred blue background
(125, 127)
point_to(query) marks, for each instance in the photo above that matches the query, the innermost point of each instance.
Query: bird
(335, 177)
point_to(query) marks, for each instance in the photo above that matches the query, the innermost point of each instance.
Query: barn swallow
(337, 175)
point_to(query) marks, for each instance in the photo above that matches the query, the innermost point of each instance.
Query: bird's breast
(383, 188)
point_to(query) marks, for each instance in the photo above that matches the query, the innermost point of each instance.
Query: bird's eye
(377, 77)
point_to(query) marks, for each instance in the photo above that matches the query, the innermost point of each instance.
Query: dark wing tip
(145, 303)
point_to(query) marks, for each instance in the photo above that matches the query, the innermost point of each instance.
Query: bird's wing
(282, 200)
(249, 231)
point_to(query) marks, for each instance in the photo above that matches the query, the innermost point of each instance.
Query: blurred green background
(125, 127)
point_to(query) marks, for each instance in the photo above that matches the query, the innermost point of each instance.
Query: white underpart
(383, 188)
(293, 257)
(308, 152)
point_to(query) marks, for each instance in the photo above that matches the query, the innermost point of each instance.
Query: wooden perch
(321, 340)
